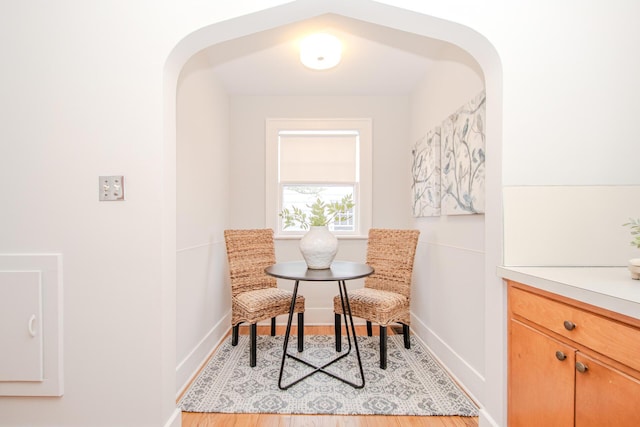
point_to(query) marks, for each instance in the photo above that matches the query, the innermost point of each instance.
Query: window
(319, 159)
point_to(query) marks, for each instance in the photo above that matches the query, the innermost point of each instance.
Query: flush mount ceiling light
(320, 51)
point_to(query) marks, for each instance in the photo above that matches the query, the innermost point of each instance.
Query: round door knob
(560, 355)
(569, 326)
(581, 367)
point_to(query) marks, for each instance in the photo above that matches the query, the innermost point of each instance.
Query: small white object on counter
(634, 268)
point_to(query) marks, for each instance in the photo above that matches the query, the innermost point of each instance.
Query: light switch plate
(111, 188)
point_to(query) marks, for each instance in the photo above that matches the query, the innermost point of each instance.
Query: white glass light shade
(320, 51)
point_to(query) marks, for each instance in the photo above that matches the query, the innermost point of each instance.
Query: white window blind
(318, 158)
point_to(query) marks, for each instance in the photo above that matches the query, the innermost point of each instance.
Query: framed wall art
(425, 174)
(463, 159)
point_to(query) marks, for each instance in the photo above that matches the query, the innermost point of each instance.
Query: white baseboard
(484, 420)
(175, 420)
(190, 365)
(464, 374)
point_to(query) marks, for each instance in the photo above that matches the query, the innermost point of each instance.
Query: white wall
(449, 266)
(390, 116)
(567, 100)
(570, 225)
(81, 99)
(89, 90)
(203, 295)
(570, 153)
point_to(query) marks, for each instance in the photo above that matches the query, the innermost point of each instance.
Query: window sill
(340, 237)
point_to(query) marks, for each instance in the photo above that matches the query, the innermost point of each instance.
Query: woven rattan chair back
(391, 254)
(249, 252)
(255, 296)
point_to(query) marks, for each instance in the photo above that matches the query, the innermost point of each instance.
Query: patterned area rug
(413, 383)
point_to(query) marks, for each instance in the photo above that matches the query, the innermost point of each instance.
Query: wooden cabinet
(605, 396)
(570, 364)
(540, 386)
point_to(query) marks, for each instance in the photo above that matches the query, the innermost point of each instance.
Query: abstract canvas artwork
(425, 174)
(463, 159)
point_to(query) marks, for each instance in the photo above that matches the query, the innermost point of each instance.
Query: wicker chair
(386, 295)
(254, 295)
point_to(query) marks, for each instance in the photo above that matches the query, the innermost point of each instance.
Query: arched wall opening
(493, 397)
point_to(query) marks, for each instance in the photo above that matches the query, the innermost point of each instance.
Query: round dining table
(339, 272)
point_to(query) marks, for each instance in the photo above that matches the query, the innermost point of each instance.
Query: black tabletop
(339, 270)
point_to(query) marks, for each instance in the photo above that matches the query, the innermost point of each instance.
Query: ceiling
(376, 60)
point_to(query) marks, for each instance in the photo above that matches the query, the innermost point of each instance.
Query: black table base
(346, 308)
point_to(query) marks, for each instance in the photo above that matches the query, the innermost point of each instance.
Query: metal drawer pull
(581, 367)
(560, 355)
(569, 326)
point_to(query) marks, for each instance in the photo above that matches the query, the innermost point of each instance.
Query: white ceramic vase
(634, 268)
(319, 247)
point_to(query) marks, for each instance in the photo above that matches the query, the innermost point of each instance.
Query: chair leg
(300, 332)
(235, 330)
(369, 329)
(273, 326)
(405, 332)
(252, 350)
(383, 347)
(338, 328)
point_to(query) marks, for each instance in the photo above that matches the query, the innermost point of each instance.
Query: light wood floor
(190, 419)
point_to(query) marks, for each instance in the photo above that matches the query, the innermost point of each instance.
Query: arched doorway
(403, 20)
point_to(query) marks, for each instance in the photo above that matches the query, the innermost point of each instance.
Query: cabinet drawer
(616, 340)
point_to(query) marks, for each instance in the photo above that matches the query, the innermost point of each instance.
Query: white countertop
(607, 287)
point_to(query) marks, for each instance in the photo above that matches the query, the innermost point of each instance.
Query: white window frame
(363, 193)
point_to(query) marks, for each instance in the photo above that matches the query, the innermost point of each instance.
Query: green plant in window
(634, 224)
(321, 213)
